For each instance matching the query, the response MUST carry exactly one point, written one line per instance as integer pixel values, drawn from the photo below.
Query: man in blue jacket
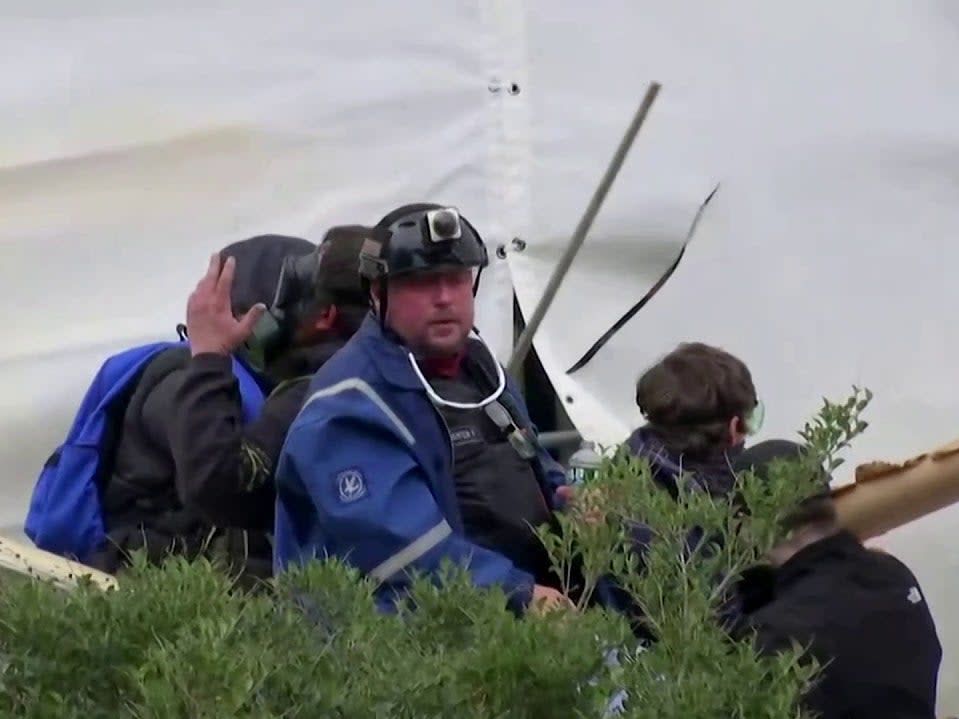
(412, 446)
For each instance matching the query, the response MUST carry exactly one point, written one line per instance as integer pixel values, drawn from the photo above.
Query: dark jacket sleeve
(224, 470)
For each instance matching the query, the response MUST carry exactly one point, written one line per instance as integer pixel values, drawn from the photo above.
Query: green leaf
(182, 640)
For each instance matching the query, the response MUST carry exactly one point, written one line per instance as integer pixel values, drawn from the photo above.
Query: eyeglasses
(754, 422)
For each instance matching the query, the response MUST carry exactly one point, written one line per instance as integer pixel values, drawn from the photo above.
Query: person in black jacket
(188, 476)
(861, 613)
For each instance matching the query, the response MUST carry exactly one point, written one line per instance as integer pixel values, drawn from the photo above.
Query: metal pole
(561, 438)
(525, 341)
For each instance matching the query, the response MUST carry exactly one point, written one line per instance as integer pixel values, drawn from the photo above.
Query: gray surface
(13, 531)
(565, 438)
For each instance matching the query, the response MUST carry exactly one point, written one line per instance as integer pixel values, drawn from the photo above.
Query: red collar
(447, 367)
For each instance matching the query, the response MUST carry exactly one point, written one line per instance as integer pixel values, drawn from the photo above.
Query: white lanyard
(437, 400)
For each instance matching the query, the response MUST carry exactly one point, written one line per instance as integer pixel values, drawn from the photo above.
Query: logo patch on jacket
(351, 485)
(465, 435)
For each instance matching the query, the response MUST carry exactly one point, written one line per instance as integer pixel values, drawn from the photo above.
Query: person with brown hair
(700, 404)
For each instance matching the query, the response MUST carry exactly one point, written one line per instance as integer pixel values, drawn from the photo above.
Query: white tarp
(138, 137)
(825, 258)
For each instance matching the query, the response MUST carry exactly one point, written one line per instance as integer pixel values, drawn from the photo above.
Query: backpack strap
(520, 438)
(504, 412)
(252, 388)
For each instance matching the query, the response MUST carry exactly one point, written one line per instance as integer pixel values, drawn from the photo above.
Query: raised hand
(210, 323)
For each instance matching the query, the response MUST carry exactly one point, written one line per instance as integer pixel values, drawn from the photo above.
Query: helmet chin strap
(381, 300)
(437, 400)
(430, 392)
(500, 374)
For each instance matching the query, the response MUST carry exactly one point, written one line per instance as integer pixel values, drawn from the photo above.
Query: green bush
(182, 641)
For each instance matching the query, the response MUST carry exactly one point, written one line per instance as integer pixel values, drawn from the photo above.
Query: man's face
(432, 311)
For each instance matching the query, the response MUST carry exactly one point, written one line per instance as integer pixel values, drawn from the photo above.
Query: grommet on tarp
(495, 86)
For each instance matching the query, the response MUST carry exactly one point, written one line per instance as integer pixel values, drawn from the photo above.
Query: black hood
(759, 458)
(259, 261)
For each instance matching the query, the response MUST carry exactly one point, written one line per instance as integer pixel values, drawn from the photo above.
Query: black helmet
(259, 264)
(421, 238)
(326, 275)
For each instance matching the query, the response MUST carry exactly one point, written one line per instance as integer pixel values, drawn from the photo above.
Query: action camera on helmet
(444, 225)
(422, 238)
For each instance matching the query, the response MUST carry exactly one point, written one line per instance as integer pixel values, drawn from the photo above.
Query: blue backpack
(65, 515)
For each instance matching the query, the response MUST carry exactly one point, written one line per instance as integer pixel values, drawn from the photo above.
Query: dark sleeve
(826, 697)
(156, 412)
(224, 470)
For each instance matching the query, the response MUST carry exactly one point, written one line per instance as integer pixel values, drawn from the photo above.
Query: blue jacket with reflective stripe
(365, 475)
